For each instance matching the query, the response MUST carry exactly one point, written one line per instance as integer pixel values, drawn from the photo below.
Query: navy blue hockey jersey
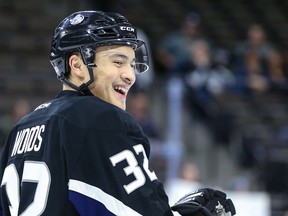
(78, 155)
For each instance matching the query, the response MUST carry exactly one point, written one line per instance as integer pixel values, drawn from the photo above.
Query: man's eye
(118, 63)
(133, 66)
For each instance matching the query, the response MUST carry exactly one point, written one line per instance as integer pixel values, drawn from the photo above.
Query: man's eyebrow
(121, 56)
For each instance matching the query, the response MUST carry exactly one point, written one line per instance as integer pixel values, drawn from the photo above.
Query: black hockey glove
(205, 202)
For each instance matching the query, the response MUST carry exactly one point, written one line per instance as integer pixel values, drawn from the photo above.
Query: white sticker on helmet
(77, 19)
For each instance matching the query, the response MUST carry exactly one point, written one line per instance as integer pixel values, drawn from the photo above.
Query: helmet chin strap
(83, 88)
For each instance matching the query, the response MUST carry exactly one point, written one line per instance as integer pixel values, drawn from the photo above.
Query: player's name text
(28, 139)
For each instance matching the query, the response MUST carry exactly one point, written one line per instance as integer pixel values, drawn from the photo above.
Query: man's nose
(128, 75)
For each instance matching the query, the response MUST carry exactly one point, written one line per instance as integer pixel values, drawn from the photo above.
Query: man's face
(114, 74)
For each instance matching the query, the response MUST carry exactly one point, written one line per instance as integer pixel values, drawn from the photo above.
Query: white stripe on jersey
(111, 203)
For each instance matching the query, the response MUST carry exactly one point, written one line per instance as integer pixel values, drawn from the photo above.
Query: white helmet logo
(77, 19)
(87, 52)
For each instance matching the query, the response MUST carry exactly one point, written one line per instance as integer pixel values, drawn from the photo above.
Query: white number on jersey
(133, 167)
(33, 172)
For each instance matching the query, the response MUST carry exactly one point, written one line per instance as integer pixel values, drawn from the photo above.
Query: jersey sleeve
(111, 175)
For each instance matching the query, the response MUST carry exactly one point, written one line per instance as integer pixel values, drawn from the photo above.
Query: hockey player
(81, 153)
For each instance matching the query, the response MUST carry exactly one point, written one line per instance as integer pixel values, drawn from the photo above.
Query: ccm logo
(127, 28)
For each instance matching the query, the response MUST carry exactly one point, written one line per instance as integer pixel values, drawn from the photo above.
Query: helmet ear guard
(84, 31)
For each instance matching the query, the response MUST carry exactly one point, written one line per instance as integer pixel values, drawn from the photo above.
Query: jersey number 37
(134, 168)
(33, 172)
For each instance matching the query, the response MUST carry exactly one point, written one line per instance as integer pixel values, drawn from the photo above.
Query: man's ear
(76, 66)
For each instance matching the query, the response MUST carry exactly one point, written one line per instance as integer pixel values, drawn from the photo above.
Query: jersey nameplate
(28, 139)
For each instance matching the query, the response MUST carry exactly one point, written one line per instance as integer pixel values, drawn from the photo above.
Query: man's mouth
(120, 90)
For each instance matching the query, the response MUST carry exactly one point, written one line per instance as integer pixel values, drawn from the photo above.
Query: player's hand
(205, 202)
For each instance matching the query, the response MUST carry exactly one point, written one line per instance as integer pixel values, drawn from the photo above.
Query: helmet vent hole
(106, 33)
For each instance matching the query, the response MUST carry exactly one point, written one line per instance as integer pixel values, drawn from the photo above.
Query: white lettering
(127, 28)
(28, 139)
(31, 144)
(19, 139)
(45, 105)
(38, 145)
(22, 146)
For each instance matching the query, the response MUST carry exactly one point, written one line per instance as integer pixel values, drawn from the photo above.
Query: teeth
(120, 89)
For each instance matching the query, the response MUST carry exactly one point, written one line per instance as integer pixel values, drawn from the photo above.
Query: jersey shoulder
(91, 111)
(86, 112)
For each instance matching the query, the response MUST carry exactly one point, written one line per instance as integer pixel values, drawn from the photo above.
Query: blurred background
(214, 102)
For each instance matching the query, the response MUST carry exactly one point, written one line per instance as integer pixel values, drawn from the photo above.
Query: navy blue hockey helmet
(84, 31)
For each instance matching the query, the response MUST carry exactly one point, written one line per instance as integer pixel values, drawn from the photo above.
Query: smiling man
(114, 73)
(81, 153)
